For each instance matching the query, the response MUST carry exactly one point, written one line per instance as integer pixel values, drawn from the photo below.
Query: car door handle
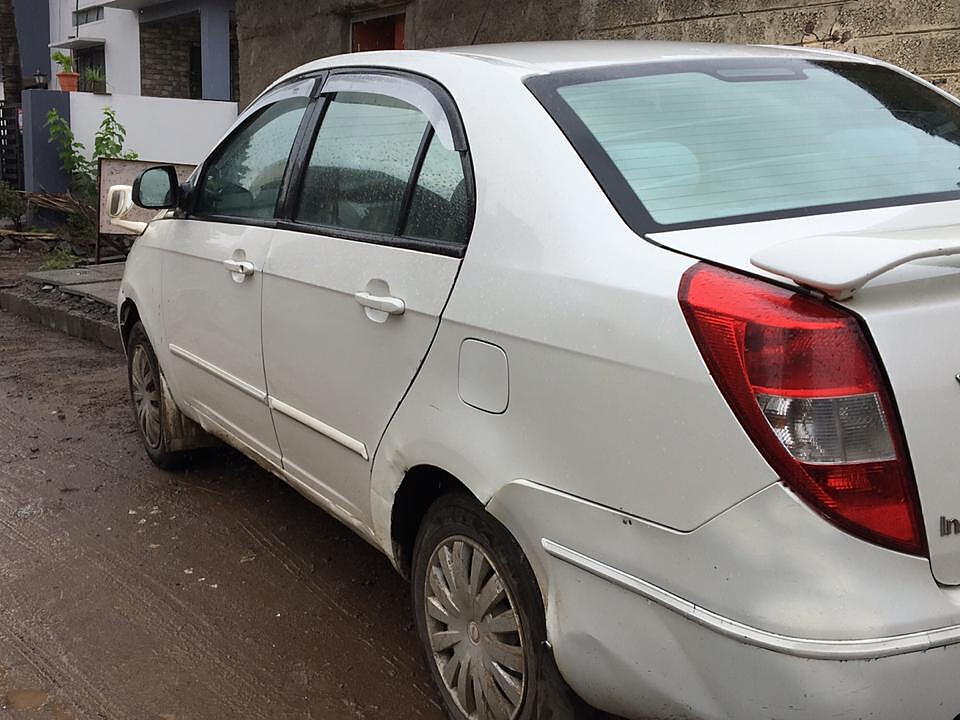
(242, 267)
(383, 303)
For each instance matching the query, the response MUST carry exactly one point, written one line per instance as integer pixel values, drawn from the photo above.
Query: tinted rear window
(687, 144)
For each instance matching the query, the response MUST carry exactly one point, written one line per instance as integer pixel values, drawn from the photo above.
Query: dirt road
(128, 592)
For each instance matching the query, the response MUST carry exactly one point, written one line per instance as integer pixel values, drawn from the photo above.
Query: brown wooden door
(382, 33)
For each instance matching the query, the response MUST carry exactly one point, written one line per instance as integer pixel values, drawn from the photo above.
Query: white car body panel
(570, 294)
(211, 319)
(680, 578)
(321, 346)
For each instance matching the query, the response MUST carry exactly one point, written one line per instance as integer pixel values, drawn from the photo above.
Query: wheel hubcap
(474, 631)
(146, 396)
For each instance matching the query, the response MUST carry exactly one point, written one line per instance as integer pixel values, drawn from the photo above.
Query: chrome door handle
(241, 267)
(387, 304)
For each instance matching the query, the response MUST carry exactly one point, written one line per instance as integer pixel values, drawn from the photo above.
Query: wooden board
(124, 172)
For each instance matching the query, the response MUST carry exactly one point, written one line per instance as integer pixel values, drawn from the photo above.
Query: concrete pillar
(215, 49)
(41, 158)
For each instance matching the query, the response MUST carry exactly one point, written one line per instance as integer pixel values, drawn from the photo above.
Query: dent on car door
(213, 273)
(358, 274)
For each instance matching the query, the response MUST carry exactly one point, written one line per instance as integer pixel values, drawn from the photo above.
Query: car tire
(150, 407)
(508, 664)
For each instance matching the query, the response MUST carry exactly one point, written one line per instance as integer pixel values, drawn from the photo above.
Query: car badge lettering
(949, 526)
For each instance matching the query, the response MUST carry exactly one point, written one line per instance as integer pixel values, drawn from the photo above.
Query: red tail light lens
(804, 382)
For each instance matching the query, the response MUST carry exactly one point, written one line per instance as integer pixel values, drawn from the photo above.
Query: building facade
(157, 48)
(168, 68)
(277, 35)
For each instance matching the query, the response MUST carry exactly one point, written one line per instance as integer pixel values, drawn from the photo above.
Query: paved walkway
(97, 282)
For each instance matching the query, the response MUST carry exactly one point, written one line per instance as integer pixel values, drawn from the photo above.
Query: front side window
(243, 180)
(361, 163)
(696, 142)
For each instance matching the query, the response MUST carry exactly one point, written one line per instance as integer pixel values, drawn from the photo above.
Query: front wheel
(480, 618)
(149, 404)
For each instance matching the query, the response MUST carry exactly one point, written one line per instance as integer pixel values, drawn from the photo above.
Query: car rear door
(212, 272)
(359, 272)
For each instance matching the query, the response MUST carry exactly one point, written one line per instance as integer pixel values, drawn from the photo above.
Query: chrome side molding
(311, 422)
(301, 417)
(232, 380)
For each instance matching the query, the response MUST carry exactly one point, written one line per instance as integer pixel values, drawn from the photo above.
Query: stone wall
(921, 35)
(165, 55)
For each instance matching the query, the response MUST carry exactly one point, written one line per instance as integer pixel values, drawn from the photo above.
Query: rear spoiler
(839, 265)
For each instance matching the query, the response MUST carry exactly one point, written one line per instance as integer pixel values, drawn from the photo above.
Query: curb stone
(55, 317)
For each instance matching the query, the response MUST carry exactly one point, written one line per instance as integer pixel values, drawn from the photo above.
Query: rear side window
(361, 163)
(380, 165)
(686, 144)
(243, 180)
(440, 207)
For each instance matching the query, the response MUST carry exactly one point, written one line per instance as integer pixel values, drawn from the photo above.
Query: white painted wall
(120, 30)
(60, 23)
(122, 51)
(158, 129)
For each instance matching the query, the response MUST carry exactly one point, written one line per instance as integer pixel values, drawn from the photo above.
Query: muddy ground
(216, 592)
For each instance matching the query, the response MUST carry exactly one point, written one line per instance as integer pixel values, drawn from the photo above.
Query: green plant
(108, 142)
(63, 60)
(94, 79)
(59, 259)
(12, 205)
(72, 155)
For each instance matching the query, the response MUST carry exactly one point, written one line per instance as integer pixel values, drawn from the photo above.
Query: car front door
(358, 273)
(212, 273)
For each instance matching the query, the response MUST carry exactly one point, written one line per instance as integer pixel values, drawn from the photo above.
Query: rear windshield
(692, 143)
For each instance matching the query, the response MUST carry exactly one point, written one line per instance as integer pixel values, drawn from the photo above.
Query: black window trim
(545, 88)
(300, 153)
(286, 220)
(292, 181)
(248, 116)
(413, 179)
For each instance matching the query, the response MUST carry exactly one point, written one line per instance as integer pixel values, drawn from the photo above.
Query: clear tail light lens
(805, 384)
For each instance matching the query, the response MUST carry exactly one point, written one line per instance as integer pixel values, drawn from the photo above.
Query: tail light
(805, 384)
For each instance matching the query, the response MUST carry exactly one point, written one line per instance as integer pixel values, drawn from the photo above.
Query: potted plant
(94, 80)
(67, 77)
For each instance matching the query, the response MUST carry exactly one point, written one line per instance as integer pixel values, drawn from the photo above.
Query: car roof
(522, 59)
(554, 56)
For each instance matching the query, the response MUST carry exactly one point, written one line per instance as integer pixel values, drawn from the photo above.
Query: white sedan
(638, 359)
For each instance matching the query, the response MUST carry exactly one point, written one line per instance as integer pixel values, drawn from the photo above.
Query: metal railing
(11, 145)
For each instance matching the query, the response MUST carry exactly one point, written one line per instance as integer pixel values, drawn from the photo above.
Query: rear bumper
(844, 649)
(765, 611)
(635, 658)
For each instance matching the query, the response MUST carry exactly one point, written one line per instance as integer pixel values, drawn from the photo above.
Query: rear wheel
(480, 618)
(149, 404)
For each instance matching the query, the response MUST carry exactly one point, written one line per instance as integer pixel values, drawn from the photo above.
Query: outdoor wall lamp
(40, 79)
